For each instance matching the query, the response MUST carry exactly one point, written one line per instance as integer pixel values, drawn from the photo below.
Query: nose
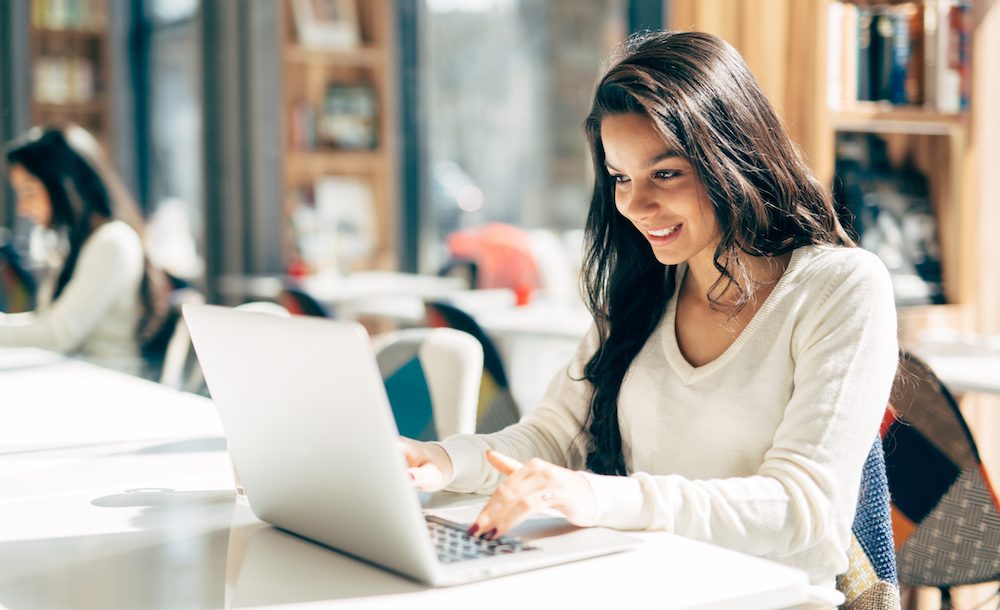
(640, 202)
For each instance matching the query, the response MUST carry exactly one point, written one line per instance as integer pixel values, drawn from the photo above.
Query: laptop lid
(310, 430)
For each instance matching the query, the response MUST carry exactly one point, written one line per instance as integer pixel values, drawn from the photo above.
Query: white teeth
(664, 232)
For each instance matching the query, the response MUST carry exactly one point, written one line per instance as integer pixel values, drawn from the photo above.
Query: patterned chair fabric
(497, 408)
(945, 514)
(432, 379)
(870, 581)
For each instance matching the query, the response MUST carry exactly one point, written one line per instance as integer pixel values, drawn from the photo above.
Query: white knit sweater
(760, 450)
(97, 312)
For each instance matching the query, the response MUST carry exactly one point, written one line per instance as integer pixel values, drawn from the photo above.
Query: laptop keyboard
(453, 544)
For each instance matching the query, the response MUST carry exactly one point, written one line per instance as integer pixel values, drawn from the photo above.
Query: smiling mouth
(664, 232)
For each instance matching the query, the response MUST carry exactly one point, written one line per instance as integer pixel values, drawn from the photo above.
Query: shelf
(361, 57)
(93, 107)
(307, 165)
(70, 32)
(886, 118)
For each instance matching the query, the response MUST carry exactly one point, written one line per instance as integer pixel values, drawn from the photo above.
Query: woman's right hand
(430, 467)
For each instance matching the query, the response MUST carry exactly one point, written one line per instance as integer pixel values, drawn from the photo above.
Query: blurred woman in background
(103, 299)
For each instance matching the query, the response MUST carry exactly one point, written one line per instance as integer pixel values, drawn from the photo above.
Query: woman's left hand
(530, 488)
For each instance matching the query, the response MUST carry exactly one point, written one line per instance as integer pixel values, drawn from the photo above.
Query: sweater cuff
(619, 502)
(468, 460)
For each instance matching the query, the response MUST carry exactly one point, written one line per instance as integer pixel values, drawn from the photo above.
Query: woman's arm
(845, 356)
(109, 264)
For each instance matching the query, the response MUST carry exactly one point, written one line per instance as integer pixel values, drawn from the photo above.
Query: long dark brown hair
(701, 97)
(82, 188)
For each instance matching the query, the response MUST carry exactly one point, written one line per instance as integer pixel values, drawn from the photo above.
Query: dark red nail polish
(472, 530)
(490, 534)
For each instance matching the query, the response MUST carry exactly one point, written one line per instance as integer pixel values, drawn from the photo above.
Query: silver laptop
(310, 430)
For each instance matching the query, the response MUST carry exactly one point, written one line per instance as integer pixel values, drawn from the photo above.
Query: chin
(665, 258)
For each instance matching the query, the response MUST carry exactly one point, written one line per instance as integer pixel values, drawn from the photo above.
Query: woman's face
(32, 198)
(658, 191)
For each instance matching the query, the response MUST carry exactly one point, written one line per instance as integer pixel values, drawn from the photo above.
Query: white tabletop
(365, 285)
(15, 358)
(149, 521)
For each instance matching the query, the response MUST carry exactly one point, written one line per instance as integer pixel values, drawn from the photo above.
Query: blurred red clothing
(502, 254)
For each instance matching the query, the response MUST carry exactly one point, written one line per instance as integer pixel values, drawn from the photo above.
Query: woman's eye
(666, 174)
(620, 179)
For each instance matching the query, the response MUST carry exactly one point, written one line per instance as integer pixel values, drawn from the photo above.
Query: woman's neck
(702, 275)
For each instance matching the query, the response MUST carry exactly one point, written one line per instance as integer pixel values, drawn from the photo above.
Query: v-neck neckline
(690, 373)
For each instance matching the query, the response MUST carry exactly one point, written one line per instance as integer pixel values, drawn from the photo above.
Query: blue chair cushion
(410, 399)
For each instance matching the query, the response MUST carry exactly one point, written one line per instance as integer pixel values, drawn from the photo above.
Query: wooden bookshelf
(362, 57)
(936, 141)
(70, 65)
(311, 153)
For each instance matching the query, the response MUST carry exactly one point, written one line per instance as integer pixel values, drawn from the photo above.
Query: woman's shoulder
(113, 243)
(115, 234)
(828, 267)
(827, 262)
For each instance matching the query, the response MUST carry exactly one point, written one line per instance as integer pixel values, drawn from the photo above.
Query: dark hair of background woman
(84, 193)
(707, 106)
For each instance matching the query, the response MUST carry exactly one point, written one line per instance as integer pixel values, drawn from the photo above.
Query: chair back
(945, 514)
(180, 368)
(432, 378)
(175, 357)
(298, 302)
(870, 582)
(496, 408)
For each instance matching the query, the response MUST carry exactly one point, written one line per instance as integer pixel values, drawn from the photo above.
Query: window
(505, 86)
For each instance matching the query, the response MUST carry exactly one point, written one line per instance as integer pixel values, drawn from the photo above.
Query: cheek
(706, 214)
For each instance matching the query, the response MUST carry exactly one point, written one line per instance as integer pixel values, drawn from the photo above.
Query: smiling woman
(742, 350)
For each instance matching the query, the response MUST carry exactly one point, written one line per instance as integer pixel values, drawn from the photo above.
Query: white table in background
(962, 367)
(137, 512)
(536, 342)
(390, 294)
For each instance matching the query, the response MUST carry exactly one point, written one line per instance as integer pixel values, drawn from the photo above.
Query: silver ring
(547, 496)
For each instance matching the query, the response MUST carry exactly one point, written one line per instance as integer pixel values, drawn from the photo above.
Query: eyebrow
(663, 156)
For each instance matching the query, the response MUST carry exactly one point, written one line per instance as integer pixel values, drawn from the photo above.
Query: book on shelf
(327, 24)
(63, 80)
(911, 53)
(302, 127)
(66, 14)
(350, 117)
(333, 223)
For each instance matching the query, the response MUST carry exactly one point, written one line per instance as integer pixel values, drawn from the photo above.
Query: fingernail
(410, 474)
(490, 534)
(472, 530)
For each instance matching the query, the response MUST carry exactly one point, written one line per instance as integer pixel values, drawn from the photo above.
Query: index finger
(504, 463)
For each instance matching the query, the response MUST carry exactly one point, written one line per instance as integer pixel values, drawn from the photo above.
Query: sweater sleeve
(845, 353)
(553, 431)
(109, 263)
